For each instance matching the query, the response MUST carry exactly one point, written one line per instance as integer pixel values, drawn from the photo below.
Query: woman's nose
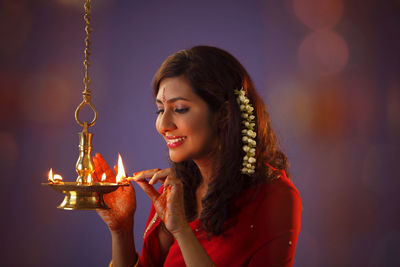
(165, 122)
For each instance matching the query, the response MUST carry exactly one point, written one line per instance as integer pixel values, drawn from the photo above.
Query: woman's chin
(176, 158)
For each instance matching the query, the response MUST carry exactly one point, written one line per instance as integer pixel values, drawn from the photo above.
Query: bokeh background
(328, 71)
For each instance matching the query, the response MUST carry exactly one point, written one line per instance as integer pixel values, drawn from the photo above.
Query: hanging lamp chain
(88, 52)
(86, 80)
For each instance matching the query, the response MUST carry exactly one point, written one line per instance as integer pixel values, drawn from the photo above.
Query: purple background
(334, 103)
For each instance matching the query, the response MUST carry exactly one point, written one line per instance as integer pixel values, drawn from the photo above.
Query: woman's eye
(181, 110)
(177, 110)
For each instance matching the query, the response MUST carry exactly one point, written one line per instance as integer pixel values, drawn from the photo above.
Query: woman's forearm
(123, 247)
(193, 252)
(166, 239)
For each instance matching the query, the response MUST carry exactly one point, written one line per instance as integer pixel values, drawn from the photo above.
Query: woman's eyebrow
(171, 100)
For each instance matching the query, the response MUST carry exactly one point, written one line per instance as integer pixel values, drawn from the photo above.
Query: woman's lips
(175, 141)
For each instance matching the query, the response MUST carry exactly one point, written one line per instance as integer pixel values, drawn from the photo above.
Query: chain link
(88, 42)
(86, 80)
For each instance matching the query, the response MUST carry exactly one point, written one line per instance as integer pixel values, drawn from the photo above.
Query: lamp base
(84, 196)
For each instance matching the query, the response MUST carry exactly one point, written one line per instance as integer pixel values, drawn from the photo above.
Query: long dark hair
(214, 74)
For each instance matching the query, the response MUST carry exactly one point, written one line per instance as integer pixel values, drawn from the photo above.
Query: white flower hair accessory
(248, 133)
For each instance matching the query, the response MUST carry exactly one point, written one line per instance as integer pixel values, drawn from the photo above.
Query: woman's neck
(206, 169)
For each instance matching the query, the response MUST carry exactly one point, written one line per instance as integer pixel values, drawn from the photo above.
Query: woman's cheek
(157, 124)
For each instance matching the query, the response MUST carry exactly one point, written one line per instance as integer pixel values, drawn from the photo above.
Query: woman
(226, 200)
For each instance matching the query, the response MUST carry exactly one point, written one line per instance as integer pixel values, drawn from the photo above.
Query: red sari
(263, 233)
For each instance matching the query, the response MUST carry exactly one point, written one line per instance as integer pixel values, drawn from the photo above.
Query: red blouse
(263, 233)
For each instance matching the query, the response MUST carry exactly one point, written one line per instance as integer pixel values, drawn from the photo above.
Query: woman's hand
(122, 202)
(169, 204)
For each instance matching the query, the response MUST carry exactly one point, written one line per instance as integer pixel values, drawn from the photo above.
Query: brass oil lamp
(84, 194)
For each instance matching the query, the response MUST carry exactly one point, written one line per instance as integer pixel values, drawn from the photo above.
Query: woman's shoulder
(272, 202)
(280, 187)
(270, 208)
(278, 204)
(273, 190)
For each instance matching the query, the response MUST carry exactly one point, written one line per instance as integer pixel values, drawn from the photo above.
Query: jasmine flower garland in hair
(248, 133)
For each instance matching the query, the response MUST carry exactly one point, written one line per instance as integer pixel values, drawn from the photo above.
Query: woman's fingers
(105, 168)
(165, 176)
(95, 178)
(148, 189)
(155, 175)
(97, 168)
(172, 180)
(160, 176)
(141, 176)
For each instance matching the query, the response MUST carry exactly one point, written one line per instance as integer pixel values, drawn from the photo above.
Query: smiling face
(184, 120)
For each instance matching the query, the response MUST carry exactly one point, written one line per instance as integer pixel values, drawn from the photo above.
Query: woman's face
(184, 120)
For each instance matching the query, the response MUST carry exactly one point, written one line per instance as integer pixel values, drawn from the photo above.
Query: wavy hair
(213, 75)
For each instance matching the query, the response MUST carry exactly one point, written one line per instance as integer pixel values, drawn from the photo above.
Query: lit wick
(121, 170)
(54, 178)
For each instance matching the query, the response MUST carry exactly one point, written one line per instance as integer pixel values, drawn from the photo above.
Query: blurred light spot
(318, 14)
(329, 112)
(323, 53)
(15, 26)
(393, 109)
(47, 99)
(290, 106)
(8, 151)
(361, 95)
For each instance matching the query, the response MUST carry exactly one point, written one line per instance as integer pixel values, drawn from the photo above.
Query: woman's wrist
(124, 229)
(121, 232)
(182, 231)
(193, 252)
(136, 262)
(123, 247)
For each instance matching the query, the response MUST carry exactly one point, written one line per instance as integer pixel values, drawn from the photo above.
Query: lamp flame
(50, 177)
(103, 177)
(89, 178)
(121, 170)
(57, 177)
(54, 178)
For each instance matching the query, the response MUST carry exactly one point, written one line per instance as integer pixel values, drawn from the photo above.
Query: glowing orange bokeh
(323, 53)
(318, 14)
